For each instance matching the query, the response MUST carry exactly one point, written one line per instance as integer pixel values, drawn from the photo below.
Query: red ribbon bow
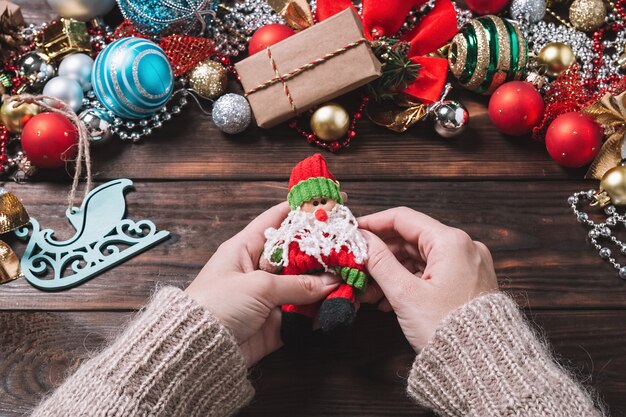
(385, 17)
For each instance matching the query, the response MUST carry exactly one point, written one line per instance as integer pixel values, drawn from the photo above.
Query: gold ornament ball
(587, 15)
(15, 116)
(330, 122)
(208, 79)
(557, 57)
(614, 183)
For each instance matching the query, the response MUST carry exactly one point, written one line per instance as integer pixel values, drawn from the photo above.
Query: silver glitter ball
(231, 113)
(605, 253)
(98, 124)
(36, 69)
(451, 118)
(594, 234)
(77, 67)
(531, 11)
(66, 90)
(609, 210)
(572, 200)
(622, 272)
(611, 221)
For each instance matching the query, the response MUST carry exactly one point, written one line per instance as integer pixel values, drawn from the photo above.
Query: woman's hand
(246, 299)
(423, 269)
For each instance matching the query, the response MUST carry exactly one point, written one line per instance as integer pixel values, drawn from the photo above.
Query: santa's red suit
(302, 263)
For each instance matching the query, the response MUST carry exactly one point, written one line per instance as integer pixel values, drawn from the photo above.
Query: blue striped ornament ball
(132, 78)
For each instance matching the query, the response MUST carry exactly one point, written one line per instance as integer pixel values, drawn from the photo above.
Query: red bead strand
(339, 144)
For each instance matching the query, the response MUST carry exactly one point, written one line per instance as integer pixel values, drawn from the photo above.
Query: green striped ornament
(486, 53)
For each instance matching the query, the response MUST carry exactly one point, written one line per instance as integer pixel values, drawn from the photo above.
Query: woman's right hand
(423, 269)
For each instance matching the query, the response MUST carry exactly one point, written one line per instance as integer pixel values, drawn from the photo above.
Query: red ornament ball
(486, 6)
(268, 35)
(573, 140)
(49, 139)
(515, 108)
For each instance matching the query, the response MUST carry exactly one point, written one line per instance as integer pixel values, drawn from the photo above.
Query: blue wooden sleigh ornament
(100, 226)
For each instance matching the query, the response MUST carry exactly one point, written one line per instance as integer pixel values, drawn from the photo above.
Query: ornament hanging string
(83, 137)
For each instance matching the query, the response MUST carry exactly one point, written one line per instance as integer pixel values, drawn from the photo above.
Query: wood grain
(362, 374)
(192, 148)
(504, 191)
(539, 249)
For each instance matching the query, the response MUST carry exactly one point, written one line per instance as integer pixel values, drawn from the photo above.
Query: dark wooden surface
(204, 187)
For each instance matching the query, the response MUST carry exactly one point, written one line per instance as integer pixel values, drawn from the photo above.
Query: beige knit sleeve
(174, 359)
(485, 361)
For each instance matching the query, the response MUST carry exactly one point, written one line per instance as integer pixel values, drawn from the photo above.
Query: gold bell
(12, 212)
(9, 264)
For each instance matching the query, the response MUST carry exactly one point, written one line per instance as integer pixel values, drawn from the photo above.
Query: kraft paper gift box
(311, 67)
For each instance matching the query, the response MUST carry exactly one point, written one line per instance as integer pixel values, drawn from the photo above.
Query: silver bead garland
(601, 234)
(541, 33)
(232, 31)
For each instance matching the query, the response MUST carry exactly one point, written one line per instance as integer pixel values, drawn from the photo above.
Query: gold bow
(296, 13)
(12, 216)
(610, 112)
(396, 116)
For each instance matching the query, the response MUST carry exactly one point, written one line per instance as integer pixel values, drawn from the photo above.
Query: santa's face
(311, 206)
(320, 207)
(336, 230)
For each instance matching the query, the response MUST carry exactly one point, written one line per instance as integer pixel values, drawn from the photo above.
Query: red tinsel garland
(184, 52)
(570, 93)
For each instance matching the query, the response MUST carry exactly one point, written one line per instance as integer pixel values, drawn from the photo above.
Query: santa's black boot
(338, 311)
(296, 330)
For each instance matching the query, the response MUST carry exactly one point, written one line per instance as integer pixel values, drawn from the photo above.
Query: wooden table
(203, 187)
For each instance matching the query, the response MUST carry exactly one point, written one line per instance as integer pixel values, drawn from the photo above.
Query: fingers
(384, 267)
(385, 306)
(414, 227)
(403, 221)
(253, 235)
(373, 294)
(299, 289)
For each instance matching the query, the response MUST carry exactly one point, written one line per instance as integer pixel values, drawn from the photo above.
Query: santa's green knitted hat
(311, 179)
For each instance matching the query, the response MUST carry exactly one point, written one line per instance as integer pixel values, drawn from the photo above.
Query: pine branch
(398, 71)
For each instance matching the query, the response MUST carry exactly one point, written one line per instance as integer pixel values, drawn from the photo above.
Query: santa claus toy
(319, 234)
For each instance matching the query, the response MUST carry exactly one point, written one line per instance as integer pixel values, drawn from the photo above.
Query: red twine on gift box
(283, 78)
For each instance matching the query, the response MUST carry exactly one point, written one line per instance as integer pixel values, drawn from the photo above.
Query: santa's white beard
(316, 238)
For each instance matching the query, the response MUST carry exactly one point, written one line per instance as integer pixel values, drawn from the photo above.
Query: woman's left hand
(246, 299)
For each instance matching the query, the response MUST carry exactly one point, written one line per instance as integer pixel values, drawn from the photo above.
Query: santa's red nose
(321, 215)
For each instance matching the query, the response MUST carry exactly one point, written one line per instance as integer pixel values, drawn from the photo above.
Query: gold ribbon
(396, 116)
(296, 13)
(12, 216)
(610, 112)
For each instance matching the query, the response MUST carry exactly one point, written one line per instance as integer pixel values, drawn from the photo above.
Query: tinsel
(568, 93)
(183, 51)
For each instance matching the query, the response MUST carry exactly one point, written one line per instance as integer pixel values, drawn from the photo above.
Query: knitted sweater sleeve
(174, 359)
(485, 361)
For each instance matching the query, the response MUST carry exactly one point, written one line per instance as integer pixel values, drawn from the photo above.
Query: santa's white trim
(317, 238)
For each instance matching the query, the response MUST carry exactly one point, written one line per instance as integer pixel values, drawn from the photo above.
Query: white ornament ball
(77, 67)
(532, 11)
(83, 10)
(66, 90)
(231, 113)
